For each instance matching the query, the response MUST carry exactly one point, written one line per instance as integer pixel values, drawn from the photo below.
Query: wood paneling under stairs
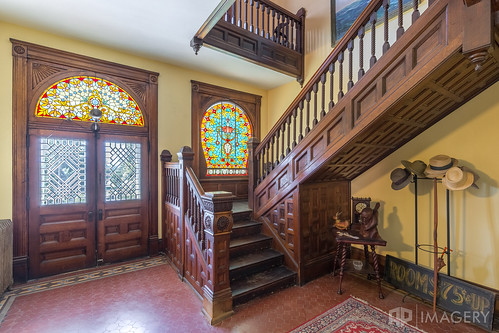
(453, 84)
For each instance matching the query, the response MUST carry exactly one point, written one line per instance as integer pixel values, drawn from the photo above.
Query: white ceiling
(157, 29)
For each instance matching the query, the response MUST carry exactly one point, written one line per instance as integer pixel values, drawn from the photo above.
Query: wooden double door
(88, 199)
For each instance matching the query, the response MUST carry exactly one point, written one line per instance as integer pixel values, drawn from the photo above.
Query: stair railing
(330, 83)
(204, 233)
(270, 21)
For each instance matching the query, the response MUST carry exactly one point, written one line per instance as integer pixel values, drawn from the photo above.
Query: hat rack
(422, 247)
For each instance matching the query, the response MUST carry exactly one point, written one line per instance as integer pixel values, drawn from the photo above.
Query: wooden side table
(344, 241)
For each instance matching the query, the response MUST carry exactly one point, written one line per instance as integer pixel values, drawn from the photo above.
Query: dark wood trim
(261, 51)
(203, 96)
(141, 84)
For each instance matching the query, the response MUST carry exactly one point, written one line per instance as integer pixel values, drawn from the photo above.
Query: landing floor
(147, 296)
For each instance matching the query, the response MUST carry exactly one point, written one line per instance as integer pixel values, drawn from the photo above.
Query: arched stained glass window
(225, 131)
(74, 97)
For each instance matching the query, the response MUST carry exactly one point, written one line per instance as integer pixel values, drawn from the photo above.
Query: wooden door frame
(203, 96)
(50, 63)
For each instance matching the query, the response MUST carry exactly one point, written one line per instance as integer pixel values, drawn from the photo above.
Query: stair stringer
(422, 78)
(430, 44)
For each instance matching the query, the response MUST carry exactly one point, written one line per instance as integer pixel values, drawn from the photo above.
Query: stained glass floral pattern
(225, 131)
(74, 97)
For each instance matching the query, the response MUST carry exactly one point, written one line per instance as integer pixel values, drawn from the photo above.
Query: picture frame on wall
(345, 12)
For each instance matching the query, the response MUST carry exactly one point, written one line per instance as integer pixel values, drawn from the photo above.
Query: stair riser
(254, 268)
(275, 286)
(251, 247)
(241, 216)
(249, 230)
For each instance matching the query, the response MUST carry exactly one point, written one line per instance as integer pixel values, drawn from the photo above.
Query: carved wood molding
(35, 68)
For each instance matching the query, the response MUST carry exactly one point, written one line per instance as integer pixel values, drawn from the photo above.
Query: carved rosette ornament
(222, 223)
(207, 223)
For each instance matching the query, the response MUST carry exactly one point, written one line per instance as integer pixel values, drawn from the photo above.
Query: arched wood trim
(34, 66)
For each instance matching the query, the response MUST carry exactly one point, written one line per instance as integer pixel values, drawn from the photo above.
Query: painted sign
(459, 297)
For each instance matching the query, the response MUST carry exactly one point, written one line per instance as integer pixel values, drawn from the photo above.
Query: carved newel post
(185, 159)
(252, 170)
(217, 295)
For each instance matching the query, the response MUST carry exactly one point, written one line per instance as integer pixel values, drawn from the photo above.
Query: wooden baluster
(288, 149)
(272, 28)
(373, 39)
(263, 20)
(268, 23)
(252, 5)
(350, 64)
(286, 42)
(277, 29)
(361, 52)
(400, 30)
(292, 38)
(300, 136)
(272, 160)
(282, 142)
(340, 61)
(386, 6)
(415, 8)
(323, 95)
(257, 8)
(260, 166)
(315, 89)
(239, 14)
(264, 162)
(233, 14)
(245, 14)
(307, 98)
(331, 85)
(278, 135)
(295, 114)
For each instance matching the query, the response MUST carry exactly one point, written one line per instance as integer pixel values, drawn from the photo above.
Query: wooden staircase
(255, 268)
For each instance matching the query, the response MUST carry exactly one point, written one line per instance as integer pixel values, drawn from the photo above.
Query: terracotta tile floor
(155, 300)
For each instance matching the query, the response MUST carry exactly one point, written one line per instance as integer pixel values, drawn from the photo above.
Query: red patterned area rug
(355, 316)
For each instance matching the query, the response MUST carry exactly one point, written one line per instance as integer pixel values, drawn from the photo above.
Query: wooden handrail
(333, 79)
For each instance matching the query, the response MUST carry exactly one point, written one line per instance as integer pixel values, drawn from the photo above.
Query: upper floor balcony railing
(259, 31)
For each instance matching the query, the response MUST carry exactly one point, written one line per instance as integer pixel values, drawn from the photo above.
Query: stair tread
(248, 239)
(258, 280)
(240, 206)
(253, 258)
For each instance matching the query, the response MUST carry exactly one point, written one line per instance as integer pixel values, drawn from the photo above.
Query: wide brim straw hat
(439, 164)
(458, 179)
(400, 178)
(417, 167)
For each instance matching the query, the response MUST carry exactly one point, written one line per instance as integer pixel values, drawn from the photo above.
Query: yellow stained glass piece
(74, 97)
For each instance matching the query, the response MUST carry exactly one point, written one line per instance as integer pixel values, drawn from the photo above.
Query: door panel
(123, 195)
(61, 202)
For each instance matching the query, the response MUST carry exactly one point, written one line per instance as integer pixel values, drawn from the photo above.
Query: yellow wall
(468, 134)
(174, 101)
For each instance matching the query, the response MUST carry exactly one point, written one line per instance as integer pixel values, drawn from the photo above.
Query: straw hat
(400, 178)
(439, 165)
(417, 167)
(457, 179)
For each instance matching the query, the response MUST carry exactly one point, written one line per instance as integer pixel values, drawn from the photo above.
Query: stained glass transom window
(225, 131)
(74, 97)
(122, 171)
(63, 171)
